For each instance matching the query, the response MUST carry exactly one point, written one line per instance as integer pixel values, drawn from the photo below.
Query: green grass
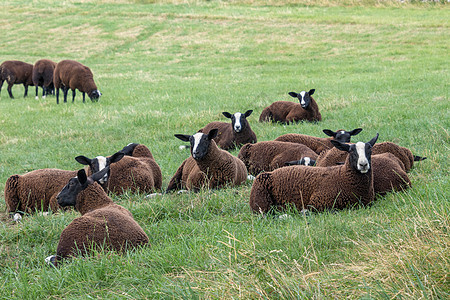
(171, 67)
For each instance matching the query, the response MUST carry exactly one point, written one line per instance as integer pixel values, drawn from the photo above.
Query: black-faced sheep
(43, 76)
(318, 144)
(236, 134)
(318, 188)
(305, 161)
(287, 112)
(70, 74)
(36, 190)
(270, 155)
(138, 172)
(16, 72)
(102, 223)
(208, 166)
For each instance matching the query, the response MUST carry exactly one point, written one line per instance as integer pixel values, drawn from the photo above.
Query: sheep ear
(183, 137)
(81, 175)
(373, 141)
(227, 114)
(311, 91)
(116, 157)
(355, 131)
(329, 132)
(292, 163)
(248, 113)
(99, 175)
(83, 160)
(293, 94)
(341, 146)
(213, 133)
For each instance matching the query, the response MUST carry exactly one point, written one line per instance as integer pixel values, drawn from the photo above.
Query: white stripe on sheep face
(363, 165)
(237, 122)
(302, 100)
(101, 160)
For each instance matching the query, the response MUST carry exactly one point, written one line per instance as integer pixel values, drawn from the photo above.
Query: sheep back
(43, 71)
(270, 155)
(74, 75)
(404, 154)
(16, 72)
(314, 143)
(388, 173)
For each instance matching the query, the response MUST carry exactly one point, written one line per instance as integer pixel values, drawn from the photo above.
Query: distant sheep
(102, 223)
(236, 134)
(318, 144)
(287, 112)
(16, 72)
(138, 172)
(208, 166)
(36, 190)
(43, 76)
(70, 74)
(270, 155)
(318, 188)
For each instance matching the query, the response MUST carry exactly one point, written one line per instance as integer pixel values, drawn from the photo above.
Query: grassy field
(171, 67)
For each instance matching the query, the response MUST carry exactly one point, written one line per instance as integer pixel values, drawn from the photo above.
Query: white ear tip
(50, 259)
(17, 217)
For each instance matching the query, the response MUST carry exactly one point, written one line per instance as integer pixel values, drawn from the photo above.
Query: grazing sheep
(334, 156)
(289, 112)
(70, 74)
(318, 188)
(318, 144)
(43, 76)
(36, 190)
(139, 172)
(208, 166)
(236, 134)
(102, 223)
(16, 72)
(270, 155)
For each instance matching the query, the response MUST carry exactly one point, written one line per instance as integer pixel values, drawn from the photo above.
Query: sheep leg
(65, 91)
(57, 96)
(9, 90)
(37, 90)
(26, 90)
(83, 97)
(73, 95)
(1, 84)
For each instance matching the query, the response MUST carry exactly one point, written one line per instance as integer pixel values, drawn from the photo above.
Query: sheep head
(199, 142)
(342, 136)
(99, 163)
(238, 121)
(304, 97)
(359, 154)
(94, 95)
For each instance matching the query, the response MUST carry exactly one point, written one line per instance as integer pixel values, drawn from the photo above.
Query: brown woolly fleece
(16, 72)
(43, 73)
(316, 144)
(102, 224)
(290, 112)
(388, 174)
(36, 190)
(74, 75)
(227, 138)
(142, 151)
(311, 188)
(270, 155)
(215, 170)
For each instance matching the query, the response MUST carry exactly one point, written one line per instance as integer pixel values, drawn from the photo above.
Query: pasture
(171, 67)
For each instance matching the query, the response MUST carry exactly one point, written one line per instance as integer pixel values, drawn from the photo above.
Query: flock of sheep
(311, 173)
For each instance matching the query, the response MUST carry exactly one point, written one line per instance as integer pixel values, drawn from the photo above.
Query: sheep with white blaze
(102, 224)
(287, 112)
(318, 188)
(236, 134)
(208, 166)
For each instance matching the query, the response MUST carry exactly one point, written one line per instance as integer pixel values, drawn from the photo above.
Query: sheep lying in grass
(236, 134)
(70, 74)
(36, 190)
(16, 72)
(208, 166)
(138, 172)
(43, 76)
(318, 188)
(287, 112)
(102, 223)
(318, 144)
(304, 161)
(270, 155)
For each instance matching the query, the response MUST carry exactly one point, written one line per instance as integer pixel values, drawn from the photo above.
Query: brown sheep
(270, 155)
(102, 223)
(43, 76)
(208, 166)
(318, 144)
(234, 134)
(16, 72)
(287, 112)
(318, 188)
(70, 74)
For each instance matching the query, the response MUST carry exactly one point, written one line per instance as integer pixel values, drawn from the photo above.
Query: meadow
(169, 67)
